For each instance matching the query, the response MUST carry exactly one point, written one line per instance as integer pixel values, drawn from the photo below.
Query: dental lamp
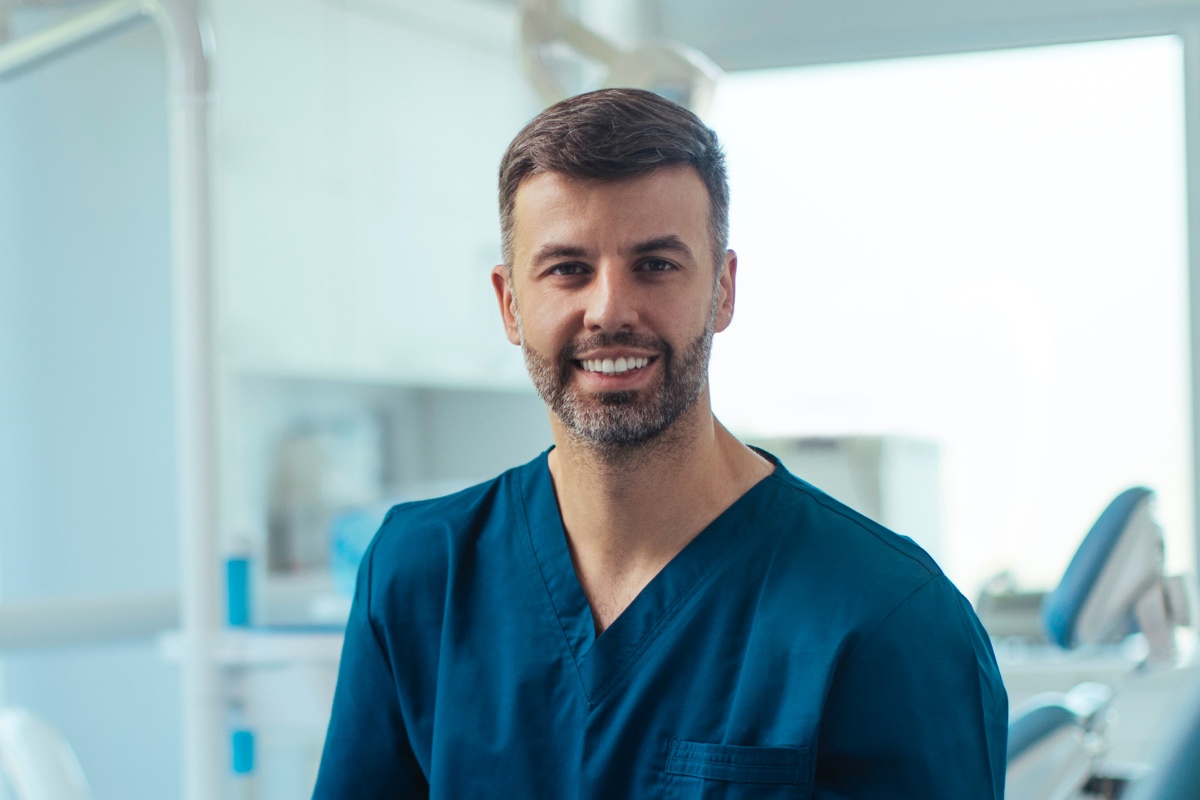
(553, 43)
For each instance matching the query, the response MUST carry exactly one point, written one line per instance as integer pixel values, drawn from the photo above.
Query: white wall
(355, 150)
(86, 455)
(756, 34)
(988, 250)
(356, 147)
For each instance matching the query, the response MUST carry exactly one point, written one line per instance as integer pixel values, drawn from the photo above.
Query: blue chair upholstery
(1049, 757)
(1048, 717)
(1064, 606)
(1108, 591)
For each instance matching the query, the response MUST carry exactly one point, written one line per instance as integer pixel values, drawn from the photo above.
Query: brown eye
(657, 265)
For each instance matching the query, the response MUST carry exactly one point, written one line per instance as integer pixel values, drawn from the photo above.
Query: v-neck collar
(603, 660)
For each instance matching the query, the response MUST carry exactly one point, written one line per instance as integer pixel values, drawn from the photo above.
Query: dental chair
(1113, 587)
(1052, 741)
(1177, 774)
(37, 761)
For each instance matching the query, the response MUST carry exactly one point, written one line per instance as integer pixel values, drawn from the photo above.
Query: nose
(611, 303)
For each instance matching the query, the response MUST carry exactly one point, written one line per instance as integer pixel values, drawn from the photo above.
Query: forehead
(553, 207)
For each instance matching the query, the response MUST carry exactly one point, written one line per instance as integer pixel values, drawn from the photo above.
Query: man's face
(613, 300)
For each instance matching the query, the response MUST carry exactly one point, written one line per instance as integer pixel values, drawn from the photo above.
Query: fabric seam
(819, 500)
(685, 598)
(370, 575)
(867, 639)
(979, 684)
(519, 491)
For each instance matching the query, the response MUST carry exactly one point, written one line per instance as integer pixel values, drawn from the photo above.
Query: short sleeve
(367, 753)
(918, 710)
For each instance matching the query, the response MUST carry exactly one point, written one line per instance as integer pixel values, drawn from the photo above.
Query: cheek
(689, 314)
(548, 320)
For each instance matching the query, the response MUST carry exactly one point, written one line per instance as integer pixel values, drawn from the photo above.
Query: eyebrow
(553, 252)
(669, 243)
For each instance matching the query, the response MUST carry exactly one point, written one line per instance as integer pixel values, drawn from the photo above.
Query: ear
(507, 301)
(726, 285)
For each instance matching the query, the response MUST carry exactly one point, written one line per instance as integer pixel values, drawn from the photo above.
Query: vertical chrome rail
(1191, 109)
(186, 43)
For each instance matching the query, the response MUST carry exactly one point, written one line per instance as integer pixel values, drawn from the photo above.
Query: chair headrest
(1120, 559)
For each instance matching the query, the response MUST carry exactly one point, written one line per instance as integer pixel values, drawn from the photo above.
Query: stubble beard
(617, 423)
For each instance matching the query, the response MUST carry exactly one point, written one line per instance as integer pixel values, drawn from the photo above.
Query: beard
(625, 419)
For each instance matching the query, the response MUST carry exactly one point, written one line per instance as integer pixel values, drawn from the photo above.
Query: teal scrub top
(793, 649)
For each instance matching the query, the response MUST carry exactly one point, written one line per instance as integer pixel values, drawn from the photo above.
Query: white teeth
(614, 367)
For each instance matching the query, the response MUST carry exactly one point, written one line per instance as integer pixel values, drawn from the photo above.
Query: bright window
(985, 250)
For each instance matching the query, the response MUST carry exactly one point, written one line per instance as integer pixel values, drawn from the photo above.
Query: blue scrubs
(793, 649)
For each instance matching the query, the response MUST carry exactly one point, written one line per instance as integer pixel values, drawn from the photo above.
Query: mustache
(571, 350)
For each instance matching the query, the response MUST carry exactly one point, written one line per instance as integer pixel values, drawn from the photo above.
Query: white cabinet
(279, 673)
(354, 153)
(356, 148)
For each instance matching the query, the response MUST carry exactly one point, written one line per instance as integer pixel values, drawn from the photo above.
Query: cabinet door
(356, 157)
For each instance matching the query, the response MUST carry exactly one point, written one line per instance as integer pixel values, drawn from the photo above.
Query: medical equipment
(1113, 587)
(1050, 742)
(187, 40)
(1177, 775)
(673, 70)
(37, 761)
(322, 467)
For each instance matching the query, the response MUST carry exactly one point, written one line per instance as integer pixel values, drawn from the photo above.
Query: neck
(628, 511)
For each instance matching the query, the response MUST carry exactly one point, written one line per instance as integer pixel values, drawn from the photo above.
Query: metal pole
(60, 621)
(185, 40)
(1191, 104)
(79, 31)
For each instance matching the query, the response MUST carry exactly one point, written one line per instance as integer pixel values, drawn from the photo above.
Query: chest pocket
(698, 771)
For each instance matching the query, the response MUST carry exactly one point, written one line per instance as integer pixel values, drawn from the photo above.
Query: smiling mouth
(613, 366)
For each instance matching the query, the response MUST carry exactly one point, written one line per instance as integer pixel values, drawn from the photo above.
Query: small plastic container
(349, 535)
(237, 591)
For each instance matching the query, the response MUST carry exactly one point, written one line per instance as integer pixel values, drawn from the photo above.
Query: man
(651, 608)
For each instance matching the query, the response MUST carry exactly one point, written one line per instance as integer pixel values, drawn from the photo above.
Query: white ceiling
(745, 34)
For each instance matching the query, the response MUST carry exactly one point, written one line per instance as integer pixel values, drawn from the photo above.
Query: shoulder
(839, 539)
(419, 542)
(416, 523)
(879, 593)
(862, 575)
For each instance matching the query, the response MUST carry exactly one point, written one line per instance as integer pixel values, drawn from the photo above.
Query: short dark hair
(612, 134)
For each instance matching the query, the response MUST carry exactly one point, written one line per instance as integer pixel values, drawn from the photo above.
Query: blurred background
(963, 308)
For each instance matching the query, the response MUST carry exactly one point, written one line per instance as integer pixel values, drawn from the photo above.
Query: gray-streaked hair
(612, 134)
